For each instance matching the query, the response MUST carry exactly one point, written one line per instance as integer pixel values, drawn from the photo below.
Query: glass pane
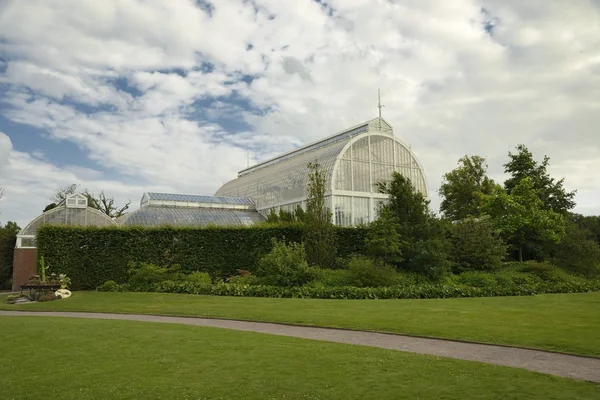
(382, 150)
(343, 210)
(343, 179)
(360, 210)
(360, 150)
(362, 179)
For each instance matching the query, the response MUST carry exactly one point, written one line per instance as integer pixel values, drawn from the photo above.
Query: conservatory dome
(353, 161)
(74, 211)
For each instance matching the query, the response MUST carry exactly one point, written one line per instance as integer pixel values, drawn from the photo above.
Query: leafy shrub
(476, 245)
(430, 258)
(143, 274)
(545, 271)
(364, 272)
(199, 278)
(478, 279)
(285, 265)
(577, 253)
(333, 277)
(108, 286)
(319, 291)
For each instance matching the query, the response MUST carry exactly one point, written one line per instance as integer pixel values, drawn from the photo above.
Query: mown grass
(564, 322)
(45, 357)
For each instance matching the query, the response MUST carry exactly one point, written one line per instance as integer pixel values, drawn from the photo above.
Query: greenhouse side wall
(24, 265)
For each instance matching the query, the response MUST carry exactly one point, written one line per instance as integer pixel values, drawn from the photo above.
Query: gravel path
(576, 367)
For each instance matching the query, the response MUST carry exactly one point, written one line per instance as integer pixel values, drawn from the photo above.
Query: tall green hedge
(7, 248)
(91, 256)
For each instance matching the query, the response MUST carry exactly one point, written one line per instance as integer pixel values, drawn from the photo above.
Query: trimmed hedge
(92, 255)
(423, 291)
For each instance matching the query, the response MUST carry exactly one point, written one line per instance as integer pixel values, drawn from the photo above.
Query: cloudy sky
(128, 96)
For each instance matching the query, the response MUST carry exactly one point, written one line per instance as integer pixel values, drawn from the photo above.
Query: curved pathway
(569, 366)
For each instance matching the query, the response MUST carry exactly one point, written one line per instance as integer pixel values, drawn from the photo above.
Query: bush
(142, 275)
(199, 278)
(364, 272)
(430, 258)
(93, 255)
(577, 253)
(333, 277)
(476, 245)
(478, 279)
(546, 271)
(285, 265)
(319, 291)
(108, 286)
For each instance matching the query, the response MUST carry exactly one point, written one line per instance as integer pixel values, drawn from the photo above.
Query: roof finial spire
(380, 106)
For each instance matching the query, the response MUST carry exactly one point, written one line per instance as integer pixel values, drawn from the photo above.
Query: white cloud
(450, 88)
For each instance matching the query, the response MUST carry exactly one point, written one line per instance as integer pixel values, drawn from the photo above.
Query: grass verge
(94, 359)
(563, 322)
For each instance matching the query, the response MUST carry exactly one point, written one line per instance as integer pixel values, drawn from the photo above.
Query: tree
(106, 205)
(383, 241)
(318, 231)
(462, 188)
(521, 216)
(101, 203)
(552, 193)
(8, 238)
(590, 224)
(423, 245)
(476, 245)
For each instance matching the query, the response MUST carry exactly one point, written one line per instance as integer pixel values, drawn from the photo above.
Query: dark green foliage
(577, 253)
(462, 188)
(423, 247)
(143, 274)
(364, 272)
(430, 258)
(590, 224)
(420, 291)
(333, 277)
(8, 238)
(318, 233)
(383, 240)
(285, 265)
(199, 278)
(521, 218)
(476, 245)
(552, 193)
(91, 256)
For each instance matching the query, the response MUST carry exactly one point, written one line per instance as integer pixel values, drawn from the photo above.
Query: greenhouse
(158, 209)
(354, 161)
(74, 211)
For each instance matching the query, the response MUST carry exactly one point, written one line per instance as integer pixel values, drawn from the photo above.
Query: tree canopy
(550, 191)
(521, 216)
(462, 188)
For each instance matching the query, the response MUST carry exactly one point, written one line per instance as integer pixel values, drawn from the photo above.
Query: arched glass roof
(64, 215)
(353, 161)
(190, 217)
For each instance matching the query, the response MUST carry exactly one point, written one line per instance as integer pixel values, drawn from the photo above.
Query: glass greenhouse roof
(198, 199)
(190, 217)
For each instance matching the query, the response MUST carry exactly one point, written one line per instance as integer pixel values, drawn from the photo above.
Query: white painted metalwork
(354, 161)
(72, 212)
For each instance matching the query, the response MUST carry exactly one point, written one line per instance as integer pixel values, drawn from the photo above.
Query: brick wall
(24, 265)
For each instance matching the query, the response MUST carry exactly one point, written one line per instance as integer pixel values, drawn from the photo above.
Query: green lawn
(565, 322)
(94, 359)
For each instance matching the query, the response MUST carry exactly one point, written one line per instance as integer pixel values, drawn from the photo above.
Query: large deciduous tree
(318, 230)
(521, 216)
(8, 237)
(463, 187)
(550, 191)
